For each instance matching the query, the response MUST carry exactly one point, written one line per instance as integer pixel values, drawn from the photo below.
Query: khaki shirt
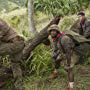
(82, 29)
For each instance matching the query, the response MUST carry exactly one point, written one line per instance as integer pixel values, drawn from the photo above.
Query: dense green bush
(63, 7)
(41, 62)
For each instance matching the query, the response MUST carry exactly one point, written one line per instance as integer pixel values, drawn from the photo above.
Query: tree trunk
(38, 38)
(32, 28)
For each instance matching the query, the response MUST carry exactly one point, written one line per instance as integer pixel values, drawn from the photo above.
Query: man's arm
(87, 31)
(80, 29)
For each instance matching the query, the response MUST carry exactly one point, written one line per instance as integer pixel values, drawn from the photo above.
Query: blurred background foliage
(15, 13)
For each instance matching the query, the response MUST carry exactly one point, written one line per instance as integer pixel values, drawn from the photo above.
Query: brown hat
(53, 27)
(81, 13)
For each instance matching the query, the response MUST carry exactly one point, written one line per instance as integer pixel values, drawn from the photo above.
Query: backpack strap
(62, 47)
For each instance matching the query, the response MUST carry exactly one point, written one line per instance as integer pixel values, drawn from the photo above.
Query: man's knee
(68, 68)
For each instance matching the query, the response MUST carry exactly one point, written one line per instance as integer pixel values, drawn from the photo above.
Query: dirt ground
(82, 81)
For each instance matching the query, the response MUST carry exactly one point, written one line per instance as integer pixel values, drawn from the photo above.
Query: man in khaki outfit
(12, 44)
(82, 25)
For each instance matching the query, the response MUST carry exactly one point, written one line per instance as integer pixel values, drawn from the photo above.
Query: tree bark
(31, 23)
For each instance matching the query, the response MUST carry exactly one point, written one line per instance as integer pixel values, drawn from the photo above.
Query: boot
(54, 74)
(70, 88)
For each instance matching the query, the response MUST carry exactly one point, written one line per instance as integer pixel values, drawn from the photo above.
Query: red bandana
(59, 35)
